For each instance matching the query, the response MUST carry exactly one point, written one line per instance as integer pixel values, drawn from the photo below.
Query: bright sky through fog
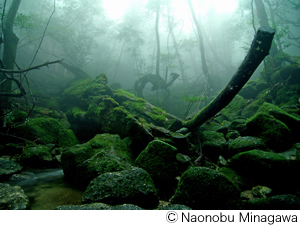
(115, 8)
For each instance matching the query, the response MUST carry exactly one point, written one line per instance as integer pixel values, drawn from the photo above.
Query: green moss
(44, 129)
(67, 138)
(234, 108)
(203, 188)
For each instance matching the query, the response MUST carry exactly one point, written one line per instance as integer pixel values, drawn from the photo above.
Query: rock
(159, 160)
(203, 188)
(174, 207)
(133, 186)
(234, 109)
(8, 168)
(253, 88)
(98, 206)
(278, 202)
(23, 176)
(242, 144)
(213, 144)
(104, 153)
(236, 178)
(40, 130)
(274, 132)
(12, 198)
(232, 135)
(261, 191)
(67, 138)
(292, 122)
(38, 157)
(268, 169)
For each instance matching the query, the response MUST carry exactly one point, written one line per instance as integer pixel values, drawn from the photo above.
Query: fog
(118, 38)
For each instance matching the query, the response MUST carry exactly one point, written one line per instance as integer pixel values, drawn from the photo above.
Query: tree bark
(9, 52)
(201, 45)
(258, 51)
(263, 21)
(181, 66)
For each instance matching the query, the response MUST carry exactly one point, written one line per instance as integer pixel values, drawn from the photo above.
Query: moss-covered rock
(99, 206)
(252, 108)
(234, 109)
(292, 122)
(253, 88)
(213, 144)
(104, 153)
(12, 198)
(133, 186)
(159, 160)
(242, 144)
(41, 130)
(236, 178)
(38, 157)
(8, 168)
(268, 169)
(274, 132)
(203, 188)
(278, 202)
(67, 138)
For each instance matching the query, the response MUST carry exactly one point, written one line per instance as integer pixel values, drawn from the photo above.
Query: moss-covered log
(258, 51)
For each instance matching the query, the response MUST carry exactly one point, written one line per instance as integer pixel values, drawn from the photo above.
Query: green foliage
(194, 98)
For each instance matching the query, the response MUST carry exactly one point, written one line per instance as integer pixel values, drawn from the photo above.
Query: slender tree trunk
(258, 51)
(9, 52)
(171, 26)
(201, 45)
(274, 23)
(118, 63)
(157, 38)
(263, 21)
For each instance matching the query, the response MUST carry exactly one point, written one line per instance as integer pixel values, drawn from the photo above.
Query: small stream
(46, 189)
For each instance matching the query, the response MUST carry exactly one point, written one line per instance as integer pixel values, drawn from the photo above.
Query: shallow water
(47, 189)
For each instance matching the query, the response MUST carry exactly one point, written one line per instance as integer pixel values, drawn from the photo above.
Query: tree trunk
(171, 26)
(258, 51)
(201, 45)
(263, 21)
(9, 52)
(157, 38)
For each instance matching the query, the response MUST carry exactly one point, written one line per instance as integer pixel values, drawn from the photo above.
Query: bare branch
(31, 68)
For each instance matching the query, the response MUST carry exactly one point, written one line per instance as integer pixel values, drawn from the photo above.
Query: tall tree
(263, 21)
(157, 37)
(201, 44)
(171, 26)
(9, 52)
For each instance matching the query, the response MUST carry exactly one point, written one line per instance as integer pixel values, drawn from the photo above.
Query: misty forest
(149, 104)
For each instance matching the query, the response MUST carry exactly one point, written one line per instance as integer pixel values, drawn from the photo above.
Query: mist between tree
(146, 37)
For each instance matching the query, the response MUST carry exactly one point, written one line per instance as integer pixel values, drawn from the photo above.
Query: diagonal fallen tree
(259, 49)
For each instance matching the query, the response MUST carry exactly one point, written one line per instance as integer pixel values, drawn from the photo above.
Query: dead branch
(31, 68)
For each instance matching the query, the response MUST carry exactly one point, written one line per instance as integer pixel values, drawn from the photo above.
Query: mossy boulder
(236, 178)
(253, 88)
(99, 206)
(12, 198)
(204, 188)
(159, 160)
(252, 108)
(38, 157)
(81, 92)
(267, 169)
(234, 109)
(213, 144)
(277, 202)
(8, 168)
(242, 144)
(104, 153)
(41, 130)
(275, 133)
(133, 186)
(67, 138)
(292, 122)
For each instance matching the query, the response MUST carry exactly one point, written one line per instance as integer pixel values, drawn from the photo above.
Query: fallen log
(259, 49)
